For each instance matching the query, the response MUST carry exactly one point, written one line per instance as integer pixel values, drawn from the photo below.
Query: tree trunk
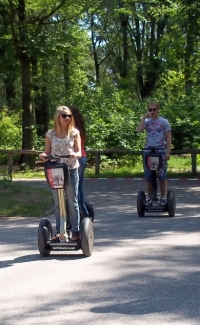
(96, 64)
(66, 73)
(40, 99)
(28, 123)
(148, 73)
(124, 19)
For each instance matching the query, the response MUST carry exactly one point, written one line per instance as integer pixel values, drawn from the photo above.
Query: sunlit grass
(21, 200)
(178, 166)
(29, 174)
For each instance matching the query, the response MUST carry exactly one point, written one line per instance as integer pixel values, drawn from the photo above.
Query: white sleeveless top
(64, 147)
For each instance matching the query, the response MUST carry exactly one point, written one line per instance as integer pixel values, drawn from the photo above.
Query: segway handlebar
(55, 157)
(153, 149)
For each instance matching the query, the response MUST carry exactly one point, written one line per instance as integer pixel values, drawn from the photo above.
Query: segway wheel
(87, 236)
(44, 235)
(141, 199)
(171, 203)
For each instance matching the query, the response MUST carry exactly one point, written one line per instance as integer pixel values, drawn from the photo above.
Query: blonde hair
(70, 126)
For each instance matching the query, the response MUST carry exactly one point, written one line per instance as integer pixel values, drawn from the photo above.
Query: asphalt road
(142, 271)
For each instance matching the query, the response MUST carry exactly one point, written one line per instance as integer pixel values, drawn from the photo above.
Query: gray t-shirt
(155, 132)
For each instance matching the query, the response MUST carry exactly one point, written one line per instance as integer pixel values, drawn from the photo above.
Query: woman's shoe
(75, 235)
(55, 237)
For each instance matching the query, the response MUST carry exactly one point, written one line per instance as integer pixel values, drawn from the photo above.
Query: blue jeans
(162, 172)
(71, 194)
(83, 163)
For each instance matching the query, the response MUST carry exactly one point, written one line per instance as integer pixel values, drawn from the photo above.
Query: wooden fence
(97, 155)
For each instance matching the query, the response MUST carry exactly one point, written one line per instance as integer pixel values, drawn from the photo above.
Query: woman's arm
(77, 147)
(47, 150)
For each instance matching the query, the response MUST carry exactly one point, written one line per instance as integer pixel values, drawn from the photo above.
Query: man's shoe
(162, 201)
(148, 201)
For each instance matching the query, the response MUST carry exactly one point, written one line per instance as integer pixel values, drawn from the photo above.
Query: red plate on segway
(55, 177)
(153, 162)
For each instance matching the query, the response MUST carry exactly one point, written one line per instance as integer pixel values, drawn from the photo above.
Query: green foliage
(10, 132)
(39, 143)
(109, 58)
(111, 120)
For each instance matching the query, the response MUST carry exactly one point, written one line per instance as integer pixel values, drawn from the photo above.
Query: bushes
(10, 133)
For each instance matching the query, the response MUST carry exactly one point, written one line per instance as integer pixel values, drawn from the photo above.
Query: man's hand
(147, 115)
(167, 155)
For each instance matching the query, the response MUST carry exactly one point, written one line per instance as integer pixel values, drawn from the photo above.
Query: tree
(27, 20)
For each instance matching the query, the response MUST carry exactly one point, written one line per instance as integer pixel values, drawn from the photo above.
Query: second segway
(153, 161)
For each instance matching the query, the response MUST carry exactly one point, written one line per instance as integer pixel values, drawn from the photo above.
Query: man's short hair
(154, 103)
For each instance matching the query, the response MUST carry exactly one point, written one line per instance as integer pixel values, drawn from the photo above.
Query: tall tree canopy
(108, 57)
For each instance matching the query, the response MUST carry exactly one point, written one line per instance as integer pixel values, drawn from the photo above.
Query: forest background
(109, 58)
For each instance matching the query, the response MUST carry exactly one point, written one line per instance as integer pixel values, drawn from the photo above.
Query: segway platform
(63, 243)
(155, 207)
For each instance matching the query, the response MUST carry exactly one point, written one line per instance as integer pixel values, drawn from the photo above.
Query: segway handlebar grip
(56, 157)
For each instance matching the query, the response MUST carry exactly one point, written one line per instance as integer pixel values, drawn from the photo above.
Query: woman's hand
(73, 154)
(43, 156)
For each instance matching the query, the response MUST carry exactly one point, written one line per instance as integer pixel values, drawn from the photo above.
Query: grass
(17, 200)
(178, 167)
(25, 201)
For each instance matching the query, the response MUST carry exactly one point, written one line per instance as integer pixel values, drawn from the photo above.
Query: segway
(57, 176)
(153, 161)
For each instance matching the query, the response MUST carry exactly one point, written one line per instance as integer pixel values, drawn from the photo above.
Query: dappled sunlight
(124, 287)
(142, 269)
(190, 206)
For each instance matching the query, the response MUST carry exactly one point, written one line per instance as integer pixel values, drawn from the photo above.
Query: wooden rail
(97, 154)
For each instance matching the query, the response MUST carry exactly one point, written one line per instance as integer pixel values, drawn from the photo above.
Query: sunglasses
(152, 109)
(66, 115)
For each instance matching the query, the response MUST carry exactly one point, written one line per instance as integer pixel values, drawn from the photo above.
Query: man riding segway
(158, 135)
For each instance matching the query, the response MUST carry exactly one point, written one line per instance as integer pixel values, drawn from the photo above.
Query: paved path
(144, 271)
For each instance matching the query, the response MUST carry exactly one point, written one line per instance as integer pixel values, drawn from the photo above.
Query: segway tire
(87, 236)
(141, 199)
(44, 235)
(171, 203)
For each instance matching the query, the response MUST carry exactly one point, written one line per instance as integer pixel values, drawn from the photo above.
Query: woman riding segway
(63, 144)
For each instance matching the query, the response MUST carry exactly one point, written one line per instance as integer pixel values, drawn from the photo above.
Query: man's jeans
(71, 194)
